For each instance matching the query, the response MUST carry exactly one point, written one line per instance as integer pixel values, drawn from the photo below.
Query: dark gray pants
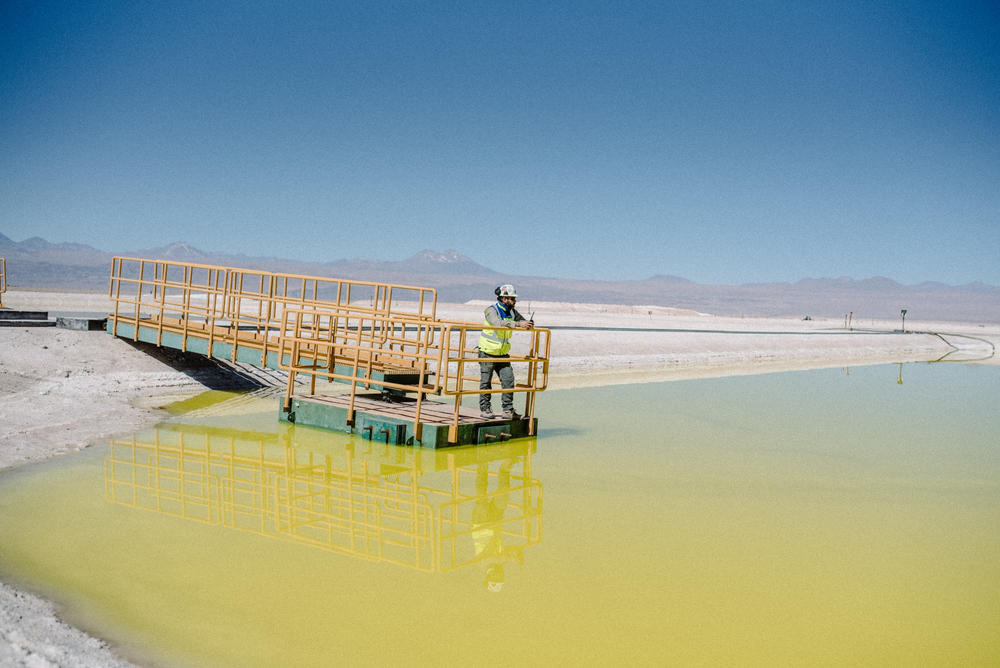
(506, 374)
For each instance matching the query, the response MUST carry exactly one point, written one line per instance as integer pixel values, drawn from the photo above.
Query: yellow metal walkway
(383, 340)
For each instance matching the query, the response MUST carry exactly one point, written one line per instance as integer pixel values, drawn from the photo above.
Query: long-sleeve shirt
(493, 317)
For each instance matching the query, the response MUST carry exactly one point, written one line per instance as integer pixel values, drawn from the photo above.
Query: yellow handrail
(242, 307)
(459, 353)
(346, 346)
(360, 332)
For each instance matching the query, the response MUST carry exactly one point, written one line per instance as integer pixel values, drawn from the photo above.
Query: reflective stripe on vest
(491, 341)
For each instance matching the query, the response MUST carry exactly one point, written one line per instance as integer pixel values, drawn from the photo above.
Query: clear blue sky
(725, 142)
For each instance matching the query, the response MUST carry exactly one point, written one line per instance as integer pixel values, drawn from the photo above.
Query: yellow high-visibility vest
(492, 341)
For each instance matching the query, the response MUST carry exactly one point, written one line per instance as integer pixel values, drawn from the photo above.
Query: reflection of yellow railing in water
(241, 307)
(3, 278)
(346, 346)
(422, 512)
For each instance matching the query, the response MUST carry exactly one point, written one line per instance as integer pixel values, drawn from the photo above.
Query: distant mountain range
(38, 264)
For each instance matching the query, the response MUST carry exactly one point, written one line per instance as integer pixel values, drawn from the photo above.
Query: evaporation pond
(818, 517)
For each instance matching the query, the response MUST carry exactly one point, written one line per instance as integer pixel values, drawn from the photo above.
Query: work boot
(488, 415)
(511, 414)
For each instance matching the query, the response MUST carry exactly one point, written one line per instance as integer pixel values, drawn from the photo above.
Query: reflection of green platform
(385, 459)
(247, 352)
(392, 422)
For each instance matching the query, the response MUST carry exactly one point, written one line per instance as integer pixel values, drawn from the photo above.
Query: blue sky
(725, 142)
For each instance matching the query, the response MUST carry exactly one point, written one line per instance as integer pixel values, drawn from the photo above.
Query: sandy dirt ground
(62, 390)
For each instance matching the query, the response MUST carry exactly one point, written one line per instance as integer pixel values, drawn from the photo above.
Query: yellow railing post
(138, 301)
(114, 291)
(291, 359)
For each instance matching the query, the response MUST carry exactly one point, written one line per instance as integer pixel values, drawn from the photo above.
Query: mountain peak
(845, 282)
(179, 250)
(879, 283)
(448, 262)
(450, 256)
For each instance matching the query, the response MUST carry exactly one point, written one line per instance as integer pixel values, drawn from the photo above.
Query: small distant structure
(3, 279)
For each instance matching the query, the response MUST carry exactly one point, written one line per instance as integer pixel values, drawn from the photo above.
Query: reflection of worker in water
(487, 524)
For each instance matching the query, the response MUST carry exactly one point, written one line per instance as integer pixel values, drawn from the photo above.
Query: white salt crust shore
(62, 390)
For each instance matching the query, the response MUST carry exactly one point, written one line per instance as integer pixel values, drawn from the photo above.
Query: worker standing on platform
(494, 342)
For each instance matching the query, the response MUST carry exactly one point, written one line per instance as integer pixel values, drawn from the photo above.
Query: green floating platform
(391, 421)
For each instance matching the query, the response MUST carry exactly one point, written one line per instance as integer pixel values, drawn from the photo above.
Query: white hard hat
(505, 291)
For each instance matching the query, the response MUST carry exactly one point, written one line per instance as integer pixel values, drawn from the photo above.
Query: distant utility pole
(902, 313)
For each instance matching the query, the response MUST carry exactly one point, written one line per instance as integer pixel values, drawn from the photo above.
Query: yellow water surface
(811, 518)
